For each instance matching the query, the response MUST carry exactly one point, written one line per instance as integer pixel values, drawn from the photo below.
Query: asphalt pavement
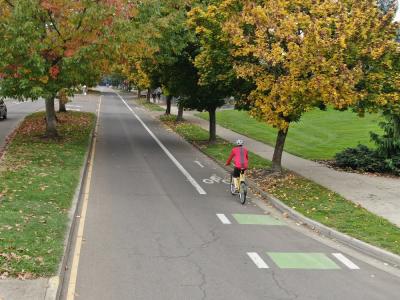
(161, 224)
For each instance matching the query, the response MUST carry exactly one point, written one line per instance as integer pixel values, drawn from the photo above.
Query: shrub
(368, 160)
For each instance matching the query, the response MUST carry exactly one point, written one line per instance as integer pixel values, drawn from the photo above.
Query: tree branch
(9, 3)
(81, 20)
(55, 26)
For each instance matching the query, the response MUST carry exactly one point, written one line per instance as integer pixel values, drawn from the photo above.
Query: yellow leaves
(377, 52)
(43, 79)
(299, 53)
(342, 42)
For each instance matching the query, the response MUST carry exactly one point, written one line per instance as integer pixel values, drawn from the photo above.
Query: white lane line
(259, 262)
(223, 219)
(79, 237)
(174, 160)
(199, 163)
(347, 262)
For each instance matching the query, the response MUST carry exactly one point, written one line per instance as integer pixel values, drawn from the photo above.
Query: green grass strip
(318, 135)
(149, 105)
(38, 178)
(303, 195)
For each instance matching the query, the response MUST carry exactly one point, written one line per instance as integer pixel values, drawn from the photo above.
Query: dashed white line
(199, 163)
(259, 262)
(223, 219)
(174, 160)
(347, 262)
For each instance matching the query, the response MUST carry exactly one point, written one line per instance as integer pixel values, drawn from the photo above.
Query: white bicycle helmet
(239, 142)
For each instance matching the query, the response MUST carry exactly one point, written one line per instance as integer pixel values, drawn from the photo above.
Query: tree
(306, 54)
(389, 143)
(213, 60)
(151, 41)
(49, 46)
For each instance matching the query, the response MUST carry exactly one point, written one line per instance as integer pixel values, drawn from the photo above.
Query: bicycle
(242, 187)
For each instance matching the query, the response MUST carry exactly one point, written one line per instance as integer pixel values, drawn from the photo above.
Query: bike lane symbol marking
(215, 179)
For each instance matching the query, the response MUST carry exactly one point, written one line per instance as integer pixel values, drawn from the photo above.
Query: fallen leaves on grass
(33, 210)
(35, 125)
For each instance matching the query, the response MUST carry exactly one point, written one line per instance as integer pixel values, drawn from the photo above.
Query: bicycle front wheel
(243, 192)
(232, 186)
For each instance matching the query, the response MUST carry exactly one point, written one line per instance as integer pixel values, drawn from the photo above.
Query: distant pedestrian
(159, 92)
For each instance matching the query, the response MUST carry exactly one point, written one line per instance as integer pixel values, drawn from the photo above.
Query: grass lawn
(319, 134)
(38, 178)
(303, 195)
(149, 105)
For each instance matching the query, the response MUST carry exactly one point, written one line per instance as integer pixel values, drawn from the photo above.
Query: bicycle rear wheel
(243, 192)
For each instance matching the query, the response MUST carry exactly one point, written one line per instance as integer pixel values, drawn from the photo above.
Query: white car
(3, 109)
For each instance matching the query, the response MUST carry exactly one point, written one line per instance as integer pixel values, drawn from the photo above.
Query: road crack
(282, 288)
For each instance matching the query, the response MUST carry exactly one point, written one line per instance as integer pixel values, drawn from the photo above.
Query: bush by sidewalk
(364, 159)
(384, 158)
(38, 178)
(303, 195)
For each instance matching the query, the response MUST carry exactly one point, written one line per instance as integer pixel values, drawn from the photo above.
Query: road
(156, 228)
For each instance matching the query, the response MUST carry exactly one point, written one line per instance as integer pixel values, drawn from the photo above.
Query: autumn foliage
(305, 54)
(50, 45)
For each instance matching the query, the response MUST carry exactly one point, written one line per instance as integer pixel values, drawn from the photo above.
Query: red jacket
(241, 155)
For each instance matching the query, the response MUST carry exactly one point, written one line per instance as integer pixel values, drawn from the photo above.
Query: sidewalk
(380, 195)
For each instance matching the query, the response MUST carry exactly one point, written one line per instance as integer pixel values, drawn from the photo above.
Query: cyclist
(241, 160)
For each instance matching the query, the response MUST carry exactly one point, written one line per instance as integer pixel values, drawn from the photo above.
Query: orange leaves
(54, 71)
(50, 5)
(69, 52)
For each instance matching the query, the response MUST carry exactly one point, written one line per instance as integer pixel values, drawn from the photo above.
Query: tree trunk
(179, 117)
(277, 158)
(62, 107)
(396, 127)
(168, 110)
(139, 92)
(213, 129)
(148, 95)
(51, 121)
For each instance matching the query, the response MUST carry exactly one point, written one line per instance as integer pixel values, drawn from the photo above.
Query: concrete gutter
(365, 248)
(354, 243)
(55, 283)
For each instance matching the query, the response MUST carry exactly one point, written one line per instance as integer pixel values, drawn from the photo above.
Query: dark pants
(236, 172)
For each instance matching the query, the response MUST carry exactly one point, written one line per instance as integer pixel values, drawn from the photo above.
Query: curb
(8, 139)
(365, 248)
(354, 243)
(55, 283)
